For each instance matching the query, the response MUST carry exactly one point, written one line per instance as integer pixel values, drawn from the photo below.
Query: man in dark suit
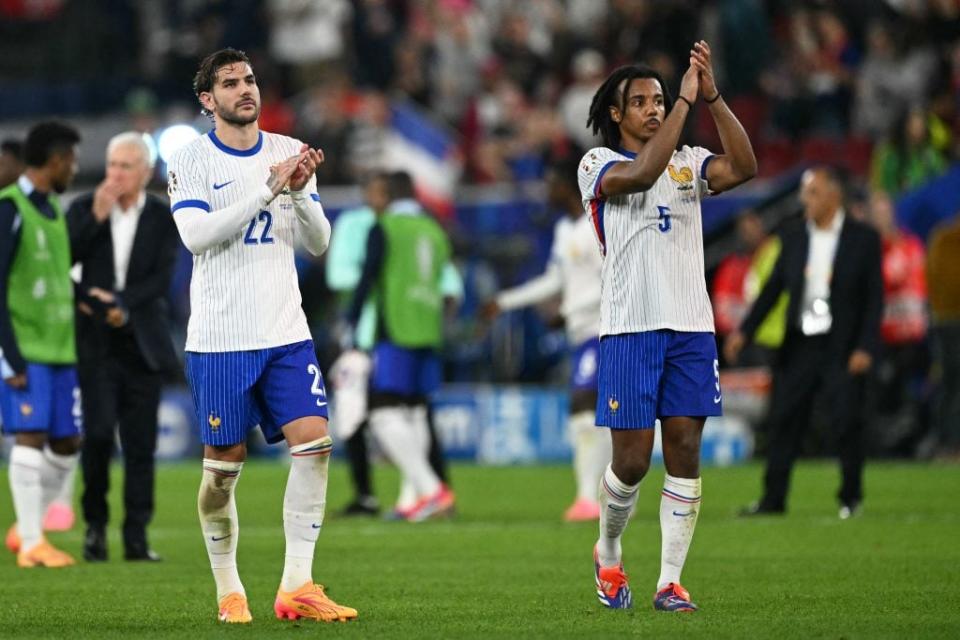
(126, 242)
(830, 266)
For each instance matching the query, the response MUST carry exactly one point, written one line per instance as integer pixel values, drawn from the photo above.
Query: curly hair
(609, 95)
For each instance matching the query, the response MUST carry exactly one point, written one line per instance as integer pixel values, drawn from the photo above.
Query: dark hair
(400, 185)
(608, 96)
(47, 139)
(207, 72)
(565, 168)
(13, 147)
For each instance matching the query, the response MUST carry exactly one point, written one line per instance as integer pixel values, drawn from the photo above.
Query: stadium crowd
(869, 85)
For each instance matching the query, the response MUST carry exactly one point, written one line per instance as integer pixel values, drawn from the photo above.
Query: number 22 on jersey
(263, 237)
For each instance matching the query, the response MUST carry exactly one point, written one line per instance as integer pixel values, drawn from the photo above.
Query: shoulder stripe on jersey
(596, 184)
(596, 215)
(703, 167)
(315, 197)
(252, 151)
(196, 204)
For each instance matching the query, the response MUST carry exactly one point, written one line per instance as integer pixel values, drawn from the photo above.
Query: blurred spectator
(307, 35)
(887, 81)
(521, 63)
(903, 362)
(11, 161)
(729, 306)
(588, 72)
(908, 159)
(943, 276)
(323, 120)
(378, 26)
(461, 45)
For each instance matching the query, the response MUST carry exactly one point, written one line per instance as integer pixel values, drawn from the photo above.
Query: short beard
(231, 117)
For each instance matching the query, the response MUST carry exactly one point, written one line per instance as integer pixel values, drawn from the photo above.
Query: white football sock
(303, 509)
(56, 473)
(65, 496)
(679, 506)
(617, 500)
(218, 520)
(26, 467)
(591, 453)
(400, 441)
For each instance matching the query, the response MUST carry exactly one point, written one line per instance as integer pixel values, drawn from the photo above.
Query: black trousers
(806, 369)
(120, 392)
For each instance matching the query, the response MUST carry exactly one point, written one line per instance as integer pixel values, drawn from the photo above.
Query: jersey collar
(629, 154)
(252, 151)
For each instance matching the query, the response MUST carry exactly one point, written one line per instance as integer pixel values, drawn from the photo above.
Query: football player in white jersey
(242, 199)
(573, 272)
(658, 357)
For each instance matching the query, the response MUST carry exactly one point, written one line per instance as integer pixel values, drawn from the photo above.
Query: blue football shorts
(585, 365)
(406, 372)
(235, 391)
(50, 403)
(657, 374)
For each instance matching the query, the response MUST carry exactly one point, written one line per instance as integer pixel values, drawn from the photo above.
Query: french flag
(428, 152)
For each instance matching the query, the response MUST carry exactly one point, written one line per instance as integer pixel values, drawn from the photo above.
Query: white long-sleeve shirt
(244, 292)
(574, 271)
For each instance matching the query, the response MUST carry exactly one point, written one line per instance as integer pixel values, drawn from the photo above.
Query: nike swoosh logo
(315, 526)
(321, 404)
(217, 187)
(216, 539)
(717, 399)
(683, 515)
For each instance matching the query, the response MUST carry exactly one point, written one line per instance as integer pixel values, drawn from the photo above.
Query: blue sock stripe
(613, 493)
(677, 496)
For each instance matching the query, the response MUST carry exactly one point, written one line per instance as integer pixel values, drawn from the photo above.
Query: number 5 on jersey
(665, 224)
(265, 238)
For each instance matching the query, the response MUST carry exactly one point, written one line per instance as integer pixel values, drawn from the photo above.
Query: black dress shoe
(760, 509)
(141, 553)
(95, 545)
(363, 506)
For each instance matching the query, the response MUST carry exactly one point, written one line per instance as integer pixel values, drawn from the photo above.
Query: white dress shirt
(123, 228)
(816, 317)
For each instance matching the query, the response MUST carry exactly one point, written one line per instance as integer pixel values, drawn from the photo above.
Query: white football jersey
(652, 243)
(244, 292)
(574, 272)
(575, 250)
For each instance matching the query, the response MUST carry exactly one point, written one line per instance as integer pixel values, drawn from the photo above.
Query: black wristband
(715, 98)
(689, 104)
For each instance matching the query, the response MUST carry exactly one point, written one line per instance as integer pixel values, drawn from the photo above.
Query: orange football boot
(234, 609)
(44, 554)
(309, 601)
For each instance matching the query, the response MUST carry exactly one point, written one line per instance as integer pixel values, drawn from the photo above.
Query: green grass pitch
(507, 567)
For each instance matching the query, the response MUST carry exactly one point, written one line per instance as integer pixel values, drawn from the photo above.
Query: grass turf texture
(508, 567)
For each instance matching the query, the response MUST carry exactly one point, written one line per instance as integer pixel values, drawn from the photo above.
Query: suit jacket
(152, 259)
(856, 288)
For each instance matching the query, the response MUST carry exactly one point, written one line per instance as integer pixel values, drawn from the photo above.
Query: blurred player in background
(242, 199)
(407, 255)
(59, 515)
(127, 244)
(39, 397)
(658, 357)
(573, 271)
(11, 161)
(349, 375)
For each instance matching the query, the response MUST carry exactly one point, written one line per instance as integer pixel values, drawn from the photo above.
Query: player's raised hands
(700, 58)
(690, 84)
(281, 173)
(307, 167)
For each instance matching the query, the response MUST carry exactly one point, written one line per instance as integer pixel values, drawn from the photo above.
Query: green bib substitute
(409, 293)
(39, 289)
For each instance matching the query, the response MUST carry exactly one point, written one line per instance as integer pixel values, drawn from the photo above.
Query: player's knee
(630, 470)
